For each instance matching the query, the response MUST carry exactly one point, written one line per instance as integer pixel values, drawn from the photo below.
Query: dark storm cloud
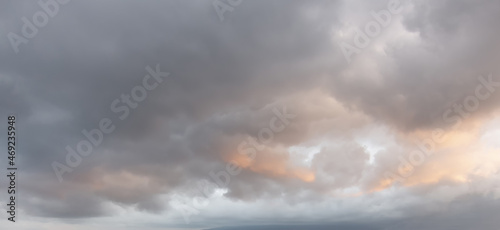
(91, 53)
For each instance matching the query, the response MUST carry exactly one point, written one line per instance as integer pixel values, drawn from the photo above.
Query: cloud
(353, 121)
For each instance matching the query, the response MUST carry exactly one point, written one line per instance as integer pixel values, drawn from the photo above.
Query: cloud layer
(403, 136)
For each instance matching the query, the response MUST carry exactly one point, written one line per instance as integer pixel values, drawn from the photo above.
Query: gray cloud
(225, 79)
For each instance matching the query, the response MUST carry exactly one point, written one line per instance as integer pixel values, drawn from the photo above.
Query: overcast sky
(286, 114)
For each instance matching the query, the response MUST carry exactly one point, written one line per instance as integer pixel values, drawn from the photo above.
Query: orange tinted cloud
(271, 164)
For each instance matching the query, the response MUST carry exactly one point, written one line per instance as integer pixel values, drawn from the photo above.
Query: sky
(252, 114)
